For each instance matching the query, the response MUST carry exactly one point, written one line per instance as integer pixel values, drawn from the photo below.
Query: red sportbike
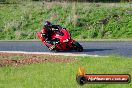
(62, 40)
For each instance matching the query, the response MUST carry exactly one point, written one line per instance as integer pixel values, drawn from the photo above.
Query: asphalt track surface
(102, 48)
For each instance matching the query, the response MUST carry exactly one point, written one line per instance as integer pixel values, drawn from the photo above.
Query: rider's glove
(43, 34)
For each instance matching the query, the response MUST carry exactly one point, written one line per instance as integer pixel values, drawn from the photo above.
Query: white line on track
(51, 53)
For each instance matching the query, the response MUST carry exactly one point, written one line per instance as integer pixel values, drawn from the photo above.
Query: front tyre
(77, 46)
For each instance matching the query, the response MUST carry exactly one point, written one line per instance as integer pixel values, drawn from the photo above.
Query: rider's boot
(52, 47)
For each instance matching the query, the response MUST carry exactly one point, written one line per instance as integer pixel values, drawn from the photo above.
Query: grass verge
(83, 20)
(62, 75)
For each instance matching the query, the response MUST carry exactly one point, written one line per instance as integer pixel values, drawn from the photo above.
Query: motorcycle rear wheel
(77, 46)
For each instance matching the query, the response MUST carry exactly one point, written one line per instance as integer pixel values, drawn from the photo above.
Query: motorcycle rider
(47, 33)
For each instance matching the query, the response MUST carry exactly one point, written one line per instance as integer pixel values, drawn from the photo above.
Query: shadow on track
(84, 51)
(92, 50)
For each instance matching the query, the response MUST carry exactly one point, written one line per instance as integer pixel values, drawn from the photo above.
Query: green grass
(84, 20)
(62, 75)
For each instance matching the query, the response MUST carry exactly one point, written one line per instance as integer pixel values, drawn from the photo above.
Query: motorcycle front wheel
(77, 46)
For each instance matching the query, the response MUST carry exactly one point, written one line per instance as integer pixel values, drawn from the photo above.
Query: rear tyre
(77, 46)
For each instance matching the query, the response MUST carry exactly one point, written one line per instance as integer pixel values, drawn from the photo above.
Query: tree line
(89, 0)
(17, 1)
